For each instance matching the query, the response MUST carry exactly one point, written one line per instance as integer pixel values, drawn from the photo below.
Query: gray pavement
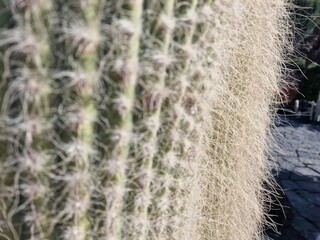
(297, 160)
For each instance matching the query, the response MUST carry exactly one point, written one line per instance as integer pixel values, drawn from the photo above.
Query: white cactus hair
(234, 174)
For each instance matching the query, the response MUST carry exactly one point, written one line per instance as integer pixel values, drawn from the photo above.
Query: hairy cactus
(130, 119)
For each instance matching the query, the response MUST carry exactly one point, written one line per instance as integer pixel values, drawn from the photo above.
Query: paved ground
(298, 163)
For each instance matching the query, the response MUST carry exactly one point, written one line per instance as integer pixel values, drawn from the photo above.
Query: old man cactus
(132, 119)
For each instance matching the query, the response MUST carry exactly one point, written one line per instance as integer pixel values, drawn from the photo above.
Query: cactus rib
(24, 105)
(121, 30)
(77, 43)
(158, 24)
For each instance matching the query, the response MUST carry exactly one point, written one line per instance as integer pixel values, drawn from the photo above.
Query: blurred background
(304, 78)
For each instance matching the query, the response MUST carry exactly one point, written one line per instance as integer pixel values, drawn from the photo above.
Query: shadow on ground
(299, 216)
(296, 122)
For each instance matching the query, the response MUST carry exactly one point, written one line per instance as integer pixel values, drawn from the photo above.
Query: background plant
(306, 60)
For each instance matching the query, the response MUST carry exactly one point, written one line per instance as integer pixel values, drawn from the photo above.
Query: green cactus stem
(121, 32)
(158, 24)
(24, 109)
(163, 209)
(76, 46)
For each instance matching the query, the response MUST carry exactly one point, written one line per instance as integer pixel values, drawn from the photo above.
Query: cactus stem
(77, 44)
(158, 26)
(119, 69)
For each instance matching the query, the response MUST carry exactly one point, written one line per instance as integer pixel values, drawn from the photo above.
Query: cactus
(76, 44)
(25, 114)
(121, 29)
(111, 119)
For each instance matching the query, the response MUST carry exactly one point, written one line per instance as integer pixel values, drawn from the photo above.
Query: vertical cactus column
(173, 132)
(121, 32)
(25, 114)
(154, 56)
(199, 75)
(77, 39)
(5, 193)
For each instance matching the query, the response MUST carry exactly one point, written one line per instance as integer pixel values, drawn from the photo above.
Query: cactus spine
(110, 117)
